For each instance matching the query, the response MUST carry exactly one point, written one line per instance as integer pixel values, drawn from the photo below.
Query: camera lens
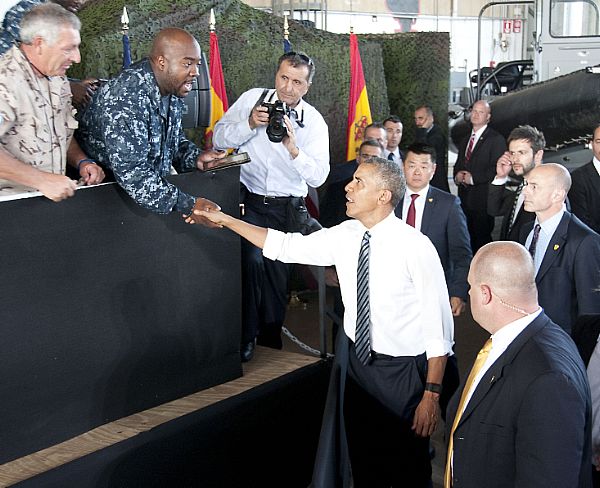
(276, 129)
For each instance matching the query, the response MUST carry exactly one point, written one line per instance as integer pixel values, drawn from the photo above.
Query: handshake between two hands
(207, 213)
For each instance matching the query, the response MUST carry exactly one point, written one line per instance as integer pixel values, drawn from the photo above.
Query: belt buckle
(265, 200)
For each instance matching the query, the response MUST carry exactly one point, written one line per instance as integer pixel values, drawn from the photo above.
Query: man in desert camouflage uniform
(10, 35)
(133, 126)
(36, 120)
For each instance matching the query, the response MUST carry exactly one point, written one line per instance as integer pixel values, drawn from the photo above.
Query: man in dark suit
(585, 191)
(438, 215)
(393, 128)
(525, 152)
(431, 134)
(566, 252)
(523, 416)
(474, 170)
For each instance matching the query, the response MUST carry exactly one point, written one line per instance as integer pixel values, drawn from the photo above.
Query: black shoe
(247, 351)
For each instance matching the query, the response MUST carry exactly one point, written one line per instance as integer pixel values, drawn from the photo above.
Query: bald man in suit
(566, 253)
(475, 169)
(523, 416)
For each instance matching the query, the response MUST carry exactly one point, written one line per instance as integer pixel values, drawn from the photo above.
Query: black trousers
(265, 282)
(379, 405)
(480, 226)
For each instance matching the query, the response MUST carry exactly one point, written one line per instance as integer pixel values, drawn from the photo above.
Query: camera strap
(300, 121)
(262, 97)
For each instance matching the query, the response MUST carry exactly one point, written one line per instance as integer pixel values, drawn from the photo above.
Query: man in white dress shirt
(273, 186)
(389, 398)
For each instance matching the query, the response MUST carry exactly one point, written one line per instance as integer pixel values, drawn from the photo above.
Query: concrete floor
(303, 321)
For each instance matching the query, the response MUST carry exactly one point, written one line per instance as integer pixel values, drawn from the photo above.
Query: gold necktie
(479, 361)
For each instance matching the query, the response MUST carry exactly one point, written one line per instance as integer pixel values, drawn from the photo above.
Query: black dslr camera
(276, 130)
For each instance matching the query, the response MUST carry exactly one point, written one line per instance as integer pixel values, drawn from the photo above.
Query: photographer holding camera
(288, 144)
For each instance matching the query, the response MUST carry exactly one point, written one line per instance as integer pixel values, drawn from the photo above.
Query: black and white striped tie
(362, 342)
(513, 210)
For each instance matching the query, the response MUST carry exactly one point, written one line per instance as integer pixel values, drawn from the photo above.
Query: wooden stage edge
(268, 364)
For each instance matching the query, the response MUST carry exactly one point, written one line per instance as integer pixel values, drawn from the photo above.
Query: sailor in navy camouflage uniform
(133, 126)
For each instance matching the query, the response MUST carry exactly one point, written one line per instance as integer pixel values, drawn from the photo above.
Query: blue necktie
(362, 342)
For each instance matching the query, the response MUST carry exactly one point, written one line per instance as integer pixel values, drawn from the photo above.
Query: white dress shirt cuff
(500, 181)
(273, 244)
(437, 349)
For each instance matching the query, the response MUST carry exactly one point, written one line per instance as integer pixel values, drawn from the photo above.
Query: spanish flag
(359, 112)
(218, 96)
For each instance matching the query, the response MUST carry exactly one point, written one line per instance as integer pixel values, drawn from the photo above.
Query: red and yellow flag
(359, 112)
(218, 96)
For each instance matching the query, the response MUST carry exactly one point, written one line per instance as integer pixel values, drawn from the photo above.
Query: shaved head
(502, 285)
(175, 58)
(546, 190)
(557, 174)
(506, 267)
(171, 40)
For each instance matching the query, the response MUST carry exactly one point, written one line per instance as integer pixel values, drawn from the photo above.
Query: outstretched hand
(201, 210)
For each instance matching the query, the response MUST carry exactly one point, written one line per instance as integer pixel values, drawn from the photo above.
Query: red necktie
(470, 147)
(410, 216)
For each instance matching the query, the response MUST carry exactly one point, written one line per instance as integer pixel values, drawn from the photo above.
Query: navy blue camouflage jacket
(129, 130)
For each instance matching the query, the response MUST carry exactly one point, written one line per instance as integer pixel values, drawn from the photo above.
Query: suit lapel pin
(492, 379)
(430, 200)
(556, 246)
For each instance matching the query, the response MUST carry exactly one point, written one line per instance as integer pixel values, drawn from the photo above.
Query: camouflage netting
(417, 66)
(401, 70)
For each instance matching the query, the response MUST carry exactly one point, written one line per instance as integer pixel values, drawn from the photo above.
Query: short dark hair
(427, 109)
(393, 118)
(532, 135)
(422, 148)
(372, 143)
(298, 59)
(391, 177)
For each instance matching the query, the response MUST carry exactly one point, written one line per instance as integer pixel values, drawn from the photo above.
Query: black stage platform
(110, 315)
(108, 309)
(264, 437)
